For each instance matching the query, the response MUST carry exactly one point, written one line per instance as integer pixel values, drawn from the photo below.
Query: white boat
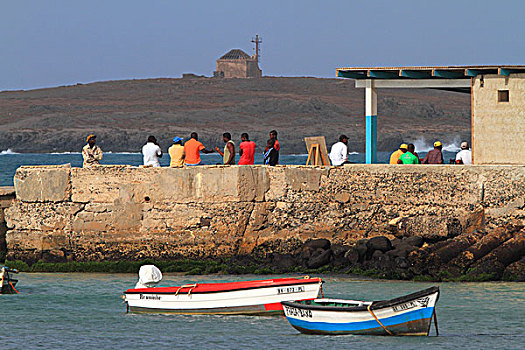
(260, 297)
(407, 315)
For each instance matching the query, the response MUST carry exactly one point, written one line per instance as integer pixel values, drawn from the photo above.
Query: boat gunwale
(376, 305)
(194, 290)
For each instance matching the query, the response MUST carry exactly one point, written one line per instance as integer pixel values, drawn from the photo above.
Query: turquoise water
(78, 311)
(9, 162)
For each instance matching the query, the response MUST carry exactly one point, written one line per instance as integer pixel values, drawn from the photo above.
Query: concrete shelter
(497, 104)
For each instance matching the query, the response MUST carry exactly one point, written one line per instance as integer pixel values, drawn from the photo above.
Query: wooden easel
(315, 154)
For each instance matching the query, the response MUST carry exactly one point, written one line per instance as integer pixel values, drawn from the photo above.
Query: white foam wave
(423, 145)
(60, 153)
(8, 151)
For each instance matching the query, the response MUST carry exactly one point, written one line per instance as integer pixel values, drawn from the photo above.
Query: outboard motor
(149, 276)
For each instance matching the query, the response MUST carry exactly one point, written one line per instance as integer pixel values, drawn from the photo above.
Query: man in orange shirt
(192, 149)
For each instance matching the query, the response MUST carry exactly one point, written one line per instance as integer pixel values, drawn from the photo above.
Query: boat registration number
(289, 290)
(292, 311)
(422, 302)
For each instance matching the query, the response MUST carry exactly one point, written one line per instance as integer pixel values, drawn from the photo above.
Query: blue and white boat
(407, 315)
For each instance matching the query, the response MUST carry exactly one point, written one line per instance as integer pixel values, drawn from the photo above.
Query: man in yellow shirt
(394, 157)
(176, 152)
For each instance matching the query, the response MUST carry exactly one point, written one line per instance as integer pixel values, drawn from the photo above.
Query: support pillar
(370, 122)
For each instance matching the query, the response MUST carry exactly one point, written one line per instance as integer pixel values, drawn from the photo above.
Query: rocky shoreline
(472, 256)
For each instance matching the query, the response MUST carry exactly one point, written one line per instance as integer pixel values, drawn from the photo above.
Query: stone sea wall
(112, 213)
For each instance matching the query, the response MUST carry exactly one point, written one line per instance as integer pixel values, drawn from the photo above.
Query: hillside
(124, 113)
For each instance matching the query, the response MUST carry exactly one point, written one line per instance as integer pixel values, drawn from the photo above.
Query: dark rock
(338, 254)
(414, 241)
(352, 256)
(515, 271)
(454, 228)
(401, 251)
(283, 262)
(340, 249)
(379, 243)
(319, 258)
(395, 242)
(377, 255)
(318, 243)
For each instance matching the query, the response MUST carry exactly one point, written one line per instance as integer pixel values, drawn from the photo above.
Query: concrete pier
(122, 212)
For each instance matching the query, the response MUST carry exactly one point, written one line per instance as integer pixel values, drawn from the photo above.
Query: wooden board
(309, 141)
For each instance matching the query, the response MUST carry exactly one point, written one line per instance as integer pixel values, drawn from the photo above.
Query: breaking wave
(8, 151)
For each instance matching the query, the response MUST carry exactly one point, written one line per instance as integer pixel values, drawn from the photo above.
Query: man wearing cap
(394, 157)
(434, 156)
(339, 151)
(176, 152)
(409, 157)
(91, 153)
(465, 155)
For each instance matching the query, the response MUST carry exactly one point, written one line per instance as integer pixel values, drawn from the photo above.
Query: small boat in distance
(7, 283)
(407, 315)
(261, 297)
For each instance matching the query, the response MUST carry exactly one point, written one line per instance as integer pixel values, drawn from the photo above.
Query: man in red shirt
(246, 150)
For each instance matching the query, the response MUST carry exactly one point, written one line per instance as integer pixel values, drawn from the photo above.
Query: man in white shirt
(465, 155)
(339, 151)
(152, 152)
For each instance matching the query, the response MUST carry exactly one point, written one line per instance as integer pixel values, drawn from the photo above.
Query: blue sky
(52, 43)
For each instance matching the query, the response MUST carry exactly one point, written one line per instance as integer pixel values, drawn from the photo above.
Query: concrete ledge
(109, 212)
(43, 184)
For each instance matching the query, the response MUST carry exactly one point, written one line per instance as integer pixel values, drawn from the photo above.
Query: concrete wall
(123, 212)
(239, 68)
(499, 127)
(7, 195)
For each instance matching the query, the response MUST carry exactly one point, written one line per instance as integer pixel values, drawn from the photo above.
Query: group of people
(406, 154)
(189, 152)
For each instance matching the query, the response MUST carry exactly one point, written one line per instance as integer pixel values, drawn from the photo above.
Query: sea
(85, 311)
(10, 161)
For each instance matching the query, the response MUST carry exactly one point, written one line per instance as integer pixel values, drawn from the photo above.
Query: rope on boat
(191, 286)
(372, 313)
(13, 287)
(436, 322)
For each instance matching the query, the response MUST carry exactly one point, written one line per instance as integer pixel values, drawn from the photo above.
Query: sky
(52, 43)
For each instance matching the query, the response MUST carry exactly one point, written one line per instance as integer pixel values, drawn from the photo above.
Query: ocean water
(83, 311)
(10, 161)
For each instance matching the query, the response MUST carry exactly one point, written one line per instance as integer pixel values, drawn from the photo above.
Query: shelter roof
(426, 72)
(235, 54)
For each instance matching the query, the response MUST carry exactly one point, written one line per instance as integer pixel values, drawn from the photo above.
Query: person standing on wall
(394, 157)
(228, 156)
(246, 150)
(91, 153)
(465, 155)
(151, 152)
(192, 149)
(434, 156)
(176, 152)
(339, 151)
